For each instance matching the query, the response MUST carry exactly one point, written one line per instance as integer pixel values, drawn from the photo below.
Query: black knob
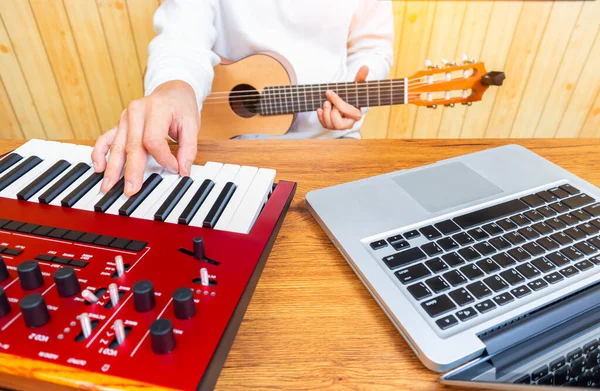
(30, 275)
(143, 296)
(66, 282)
(34, 310)
(198, 248)
(183, 303)
(4, 304)
(3, 270)
(493, 78)
(161, 336)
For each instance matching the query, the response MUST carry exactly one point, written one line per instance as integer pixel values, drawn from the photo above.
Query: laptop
(487, 264)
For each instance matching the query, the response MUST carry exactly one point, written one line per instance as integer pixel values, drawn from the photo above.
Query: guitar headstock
(451, 83)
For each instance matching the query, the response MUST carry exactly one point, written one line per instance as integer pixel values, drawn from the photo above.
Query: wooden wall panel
(69, 67)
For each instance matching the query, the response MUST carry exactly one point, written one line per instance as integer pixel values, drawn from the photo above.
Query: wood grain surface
(311, 324)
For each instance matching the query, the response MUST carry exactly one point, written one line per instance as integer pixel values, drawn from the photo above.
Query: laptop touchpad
(445, 186)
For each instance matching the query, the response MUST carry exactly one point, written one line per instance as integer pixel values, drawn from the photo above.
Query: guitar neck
(304, 98)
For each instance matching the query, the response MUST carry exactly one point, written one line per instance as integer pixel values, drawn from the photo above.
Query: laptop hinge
(544, 319)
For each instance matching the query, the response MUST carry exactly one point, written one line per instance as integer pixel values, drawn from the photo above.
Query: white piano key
(88, 201)
(151, 204)
(251, 205)
(242, 180)
(85, 152)
(227, 174)
(208, 171)
(31, 147)
(49, 153)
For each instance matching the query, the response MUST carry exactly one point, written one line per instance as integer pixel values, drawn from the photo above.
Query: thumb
(362, 73)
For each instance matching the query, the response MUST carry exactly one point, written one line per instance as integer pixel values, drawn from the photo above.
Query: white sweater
(326, 41)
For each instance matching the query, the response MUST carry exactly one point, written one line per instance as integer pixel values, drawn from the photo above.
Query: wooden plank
(9, 124)
(416, 30)
(28, 46)
(498, 39)
(579, 48)
(547, 62)
(584, 95)
(54, 27)
(140, 14)
(591, 127)
(17, 91)
(119, 36)
(472, 36)
(377, 120)
(528, 34)
(95, 60)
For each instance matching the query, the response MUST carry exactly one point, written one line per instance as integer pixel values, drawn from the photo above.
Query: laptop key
(593, 210)
(546, 211)
(446, 322)
(569, 271)
(514, 238)
(558, 192)
(520, 220)
(512, 276)
(595, 241)
(561, 238)
(539, 373)
(555, 223)
(412, 234)
(570, 189)
(447, 244)
(533, 215)
(500, 243)
(471, 271)
(455, 278)
(438, 306)
(579, 214)
(584, 265)
(447, 227)
(430, 233)
(506, 224)
(520, 291)
(503, 260)
(542, 228)
(466, 314)
(537, 285)
(575, 233)
(595, 260)
(399, 245)
(568, 219)
(479, 290)
(528, 270)
(491, 213)
(469, 254)
(496, 283)
(404, 258)
(478, 234)
(533, 200)
(547, 196)
(529, 233)
(578, 201)
(484, 248)
(586, 248)
(558, 363)
(561, 375)
(463, 238)
(488, 266)
(503, 298)
(378, 244)
(452, 259)
(589, 229)
(548, 244)
(419, 291)
(519, 254)
(395, 238)
(534, 249)
(558, 259)
(525, 379)
(437, 284)
(589, 347)
(436, 265)
(493, 229)
(572, 253)
(485, 306)
(559, 207)
(412, 273)
(431, 249)
(543, 265)
(461, 297)
(553, 278)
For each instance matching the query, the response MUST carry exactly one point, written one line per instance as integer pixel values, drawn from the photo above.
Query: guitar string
(363, 97)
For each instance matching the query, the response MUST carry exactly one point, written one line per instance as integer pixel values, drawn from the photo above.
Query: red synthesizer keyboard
(150, 289)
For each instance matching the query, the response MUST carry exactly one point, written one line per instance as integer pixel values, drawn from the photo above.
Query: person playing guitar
(325, 41)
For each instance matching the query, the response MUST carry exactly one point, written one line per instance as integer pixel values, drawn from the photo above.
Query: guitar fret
(356, 90)
(378, 93)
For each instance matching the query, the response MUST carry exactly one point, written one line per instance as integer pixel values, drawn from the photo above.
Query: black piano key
(40, 182)
(167, 207)
(219, 206)
(63, 183)
(135, 200)
(492, 213)
(9, 161)
(19, 171)
(196, 202)
(82, 189)
(111, 196)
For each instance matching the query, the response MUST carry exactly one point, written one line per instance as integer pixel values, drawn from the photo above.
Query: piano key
(133, 202)
(198, 174)
(227, 174)
(153, 201)
(110, 197)
(17, 172)
(47, 176)
(196, 202)
(253, 201)
(84, 153)
(242, 180)
(63, 183)
(219, 206)
(83, 190)
(9, 161)
(172, 199)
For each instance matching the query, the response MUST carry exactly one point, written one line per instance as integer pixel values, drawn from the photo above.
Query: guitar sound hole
(244, 100)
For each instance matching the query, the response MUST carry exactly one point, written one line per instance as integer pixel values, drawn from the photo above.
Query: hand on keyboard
(171, 110)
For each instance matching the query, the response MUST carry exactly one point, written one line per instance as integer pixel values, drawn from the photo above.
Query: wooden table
(311, 323)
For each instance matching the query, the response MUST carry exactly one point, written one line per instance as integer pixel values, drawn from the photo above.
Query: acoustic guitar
(259, 95)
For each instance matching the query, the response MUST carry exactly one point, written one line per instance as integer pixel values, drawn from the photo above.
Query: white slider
(113, 291)
(428, 64)
(119, 331)
(464, 58)
(89, 296)
(204, 277)
(120, 265)
(86, 324)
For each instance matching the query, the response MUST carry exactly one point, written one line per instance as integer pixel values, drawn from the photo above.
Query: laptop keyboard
(480, 261)
(580, 368)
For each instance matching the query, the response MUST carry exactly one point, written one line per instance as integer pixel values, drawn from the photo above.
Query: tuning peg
(448, 63)
(450, 105)
(429, 65)
(493, 78)
(432, 107)
(467, 103)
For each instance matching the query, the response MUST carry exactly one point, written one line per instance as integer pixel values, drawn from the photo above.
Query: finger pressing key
(101, 149)
(117, 157)
(136, 154)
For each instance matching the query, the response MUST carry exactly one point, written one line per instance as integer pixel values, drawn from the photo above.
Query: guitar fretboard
(304, 98)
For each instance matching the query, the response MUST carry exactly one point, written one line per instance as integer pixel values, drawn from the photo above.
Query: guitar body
(224, 120)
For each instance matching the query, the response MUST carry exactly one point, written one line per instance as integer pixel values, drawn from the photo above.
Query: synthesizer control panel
(131, 298)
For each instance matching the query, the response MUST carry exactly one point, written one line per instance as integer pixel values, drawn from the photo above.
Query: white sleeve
(371, 39)
(182, 48)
